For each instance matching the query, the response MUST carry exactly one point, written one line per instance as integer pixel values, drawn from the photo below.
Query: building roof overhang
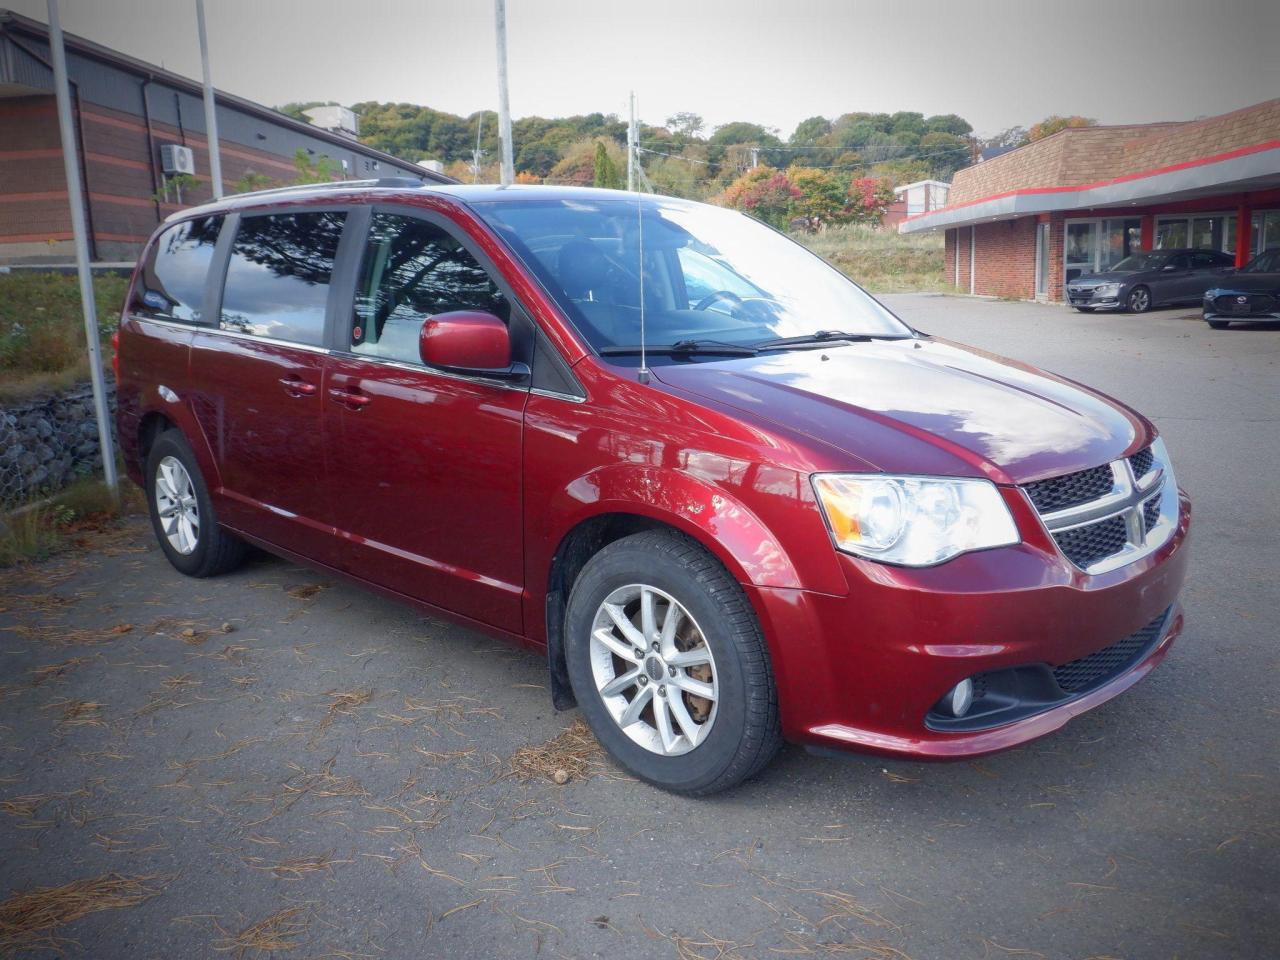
(35, 29)
(1255, 167)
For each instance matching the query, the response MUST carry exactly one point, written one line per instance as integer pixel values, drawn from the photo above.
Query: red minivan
(731, 497)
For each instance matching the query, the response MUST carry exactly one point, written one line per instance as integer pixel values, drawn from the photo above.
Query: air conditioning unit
(177, 159)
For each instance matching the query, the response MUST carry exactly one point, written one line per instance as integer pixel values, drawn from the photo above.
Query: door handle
(349, 398)
(297, 388)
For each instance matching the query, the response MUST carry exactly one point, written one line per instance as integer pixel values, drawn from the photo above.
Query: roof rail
(400, 182)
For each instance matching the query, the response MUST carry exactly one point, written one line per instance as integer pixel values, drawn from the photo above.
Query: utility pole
(504, 103)
(75, 196)
(210, 108)
(631, 146)
(755, 157)
(477, 153)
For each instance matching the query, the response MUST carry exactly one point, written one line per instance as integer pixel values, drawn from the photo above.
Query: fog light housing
(960, 698)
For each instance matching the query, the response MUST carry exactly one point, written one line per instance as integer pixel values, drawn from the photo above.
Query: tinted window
(1265, 263)
(172, 282)
(411, 270)
(1206, 260)
(1181, 262)
(278, 276)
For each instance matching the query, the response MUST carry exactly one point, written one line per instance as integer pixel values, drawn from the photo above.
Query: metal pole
(631, 146)
(210, 108)
(504, 103)
(75, 196)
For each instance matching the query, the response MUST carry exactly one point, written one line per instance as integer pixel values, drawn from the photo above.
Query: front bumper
(1242, 305)
(1088, 298)
(865, 671)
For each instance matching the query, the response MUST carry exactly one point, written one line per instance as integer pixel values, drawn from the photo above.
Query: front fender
(704, 511)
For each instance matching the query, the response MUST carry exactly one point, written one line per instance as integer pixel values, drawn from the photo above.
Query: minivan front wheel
(668, 663)
(182, 514)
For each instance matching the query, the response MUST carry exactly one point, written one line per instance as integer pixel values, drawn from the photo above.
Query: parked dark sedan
(1253, 293)
(1153, 279)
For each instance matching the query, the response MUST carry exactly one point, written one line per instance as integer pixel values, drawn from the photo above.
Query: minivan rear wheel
(669, 665)
(182, 514)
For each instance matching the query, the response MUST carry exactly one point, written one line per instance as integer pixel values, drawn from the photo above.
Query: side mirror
(466, 340)
(1169, 267)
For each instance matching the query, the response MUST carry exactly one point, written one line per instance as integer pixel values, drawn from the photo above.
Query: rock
(561, 776)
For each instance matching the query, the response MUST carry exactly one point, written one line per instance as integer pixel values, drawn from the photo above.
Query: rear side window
(413, 269)
(278, 276)
(171, 286)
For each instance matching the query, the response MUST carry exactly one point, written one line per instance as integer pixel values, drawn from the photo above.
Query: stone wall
(47, 442)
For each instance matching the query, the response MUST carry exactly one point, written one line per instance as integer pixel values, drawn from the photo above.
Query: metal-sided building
(1024, 223)
(127, 113)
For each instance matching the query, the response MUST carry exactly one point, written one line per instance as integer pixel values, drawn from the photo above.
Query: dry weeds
(574, 751)
(31, 920)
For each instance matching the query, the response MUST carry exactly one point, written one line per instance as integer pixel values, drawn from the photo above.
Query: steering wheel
(717, 296)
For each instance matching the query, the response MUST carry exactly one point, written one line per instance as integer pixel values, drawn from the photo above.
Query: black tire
(1218, 324)
(216, 550)
(1139, 300)
(746, 732)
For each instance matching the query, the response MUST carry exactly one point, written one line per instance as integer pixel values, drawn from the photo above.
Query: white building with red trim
(1025, 222)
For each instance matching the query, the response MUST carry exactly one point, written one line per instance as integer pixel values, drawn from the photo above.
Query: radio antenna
(643, 373)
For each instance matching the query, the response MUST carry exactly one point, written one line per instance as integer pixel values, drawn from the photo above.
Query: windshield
(709, 274)
(1140, 262)
(1264, 263)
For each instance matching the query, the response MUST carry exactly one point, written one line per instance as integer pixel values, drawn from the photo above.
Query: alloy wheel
(177, 506)
(1139, 300)
(654, 670)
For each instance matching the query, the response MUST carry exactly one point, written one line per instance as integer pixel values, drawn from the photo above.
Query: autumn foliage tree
(1051, 125)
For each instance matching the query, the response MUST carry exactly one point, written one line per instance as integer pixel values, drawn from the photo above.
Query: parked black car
(1153, 279)
(1252, 293)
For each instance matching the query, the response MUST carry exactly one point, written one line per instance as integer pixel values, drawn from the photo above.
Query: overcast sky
(995, 63)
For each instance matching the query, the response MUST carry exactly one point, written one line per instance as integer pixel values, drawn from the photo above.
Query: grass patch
(42, 346)
(86, 507)
(883, 261)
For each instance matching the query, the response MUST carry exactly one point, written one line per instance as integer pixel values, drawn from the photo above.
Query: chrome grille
(1070, 489)
(1087, 545)
(1106, 516)
(1142, 461)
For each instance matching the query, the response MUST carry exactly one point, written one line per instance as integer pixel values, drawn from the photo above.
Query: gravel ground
(332, 775)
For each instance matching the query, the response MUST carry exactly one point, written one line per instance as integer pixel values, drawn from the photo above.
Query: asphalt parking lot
(335, 776)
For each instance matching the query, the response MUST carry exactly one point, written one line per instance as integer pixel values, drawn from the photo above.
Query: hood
(923, 406)
(1110, 276)
(1247, 283)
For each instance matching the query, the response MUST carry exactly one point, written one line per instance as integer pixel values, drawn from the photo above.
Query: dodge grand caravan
(729, 496)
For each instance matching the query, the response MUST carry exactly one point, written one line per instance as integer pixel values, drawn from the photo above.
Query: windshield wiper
(684, 348)
(825, 336)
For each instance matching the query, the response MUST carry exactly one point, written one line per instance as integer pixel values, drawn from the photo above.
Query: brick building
(126, 111)
(1023, 223)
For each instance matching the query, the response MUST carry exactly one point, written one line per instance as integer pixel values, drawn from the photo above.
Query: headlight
(913, 521)
(1107, 289)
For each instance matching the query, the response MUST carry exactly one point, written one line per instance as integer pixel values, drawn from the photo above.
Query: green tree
(251, 181)
(685, 125)
(606, 174)
(949, 123)
(322, 170)
(945, 153)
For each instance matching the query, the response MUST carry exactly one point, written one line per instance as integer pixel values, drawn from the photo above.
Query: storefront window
(1080, 250)
(1270, 230)
(1171, 234)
